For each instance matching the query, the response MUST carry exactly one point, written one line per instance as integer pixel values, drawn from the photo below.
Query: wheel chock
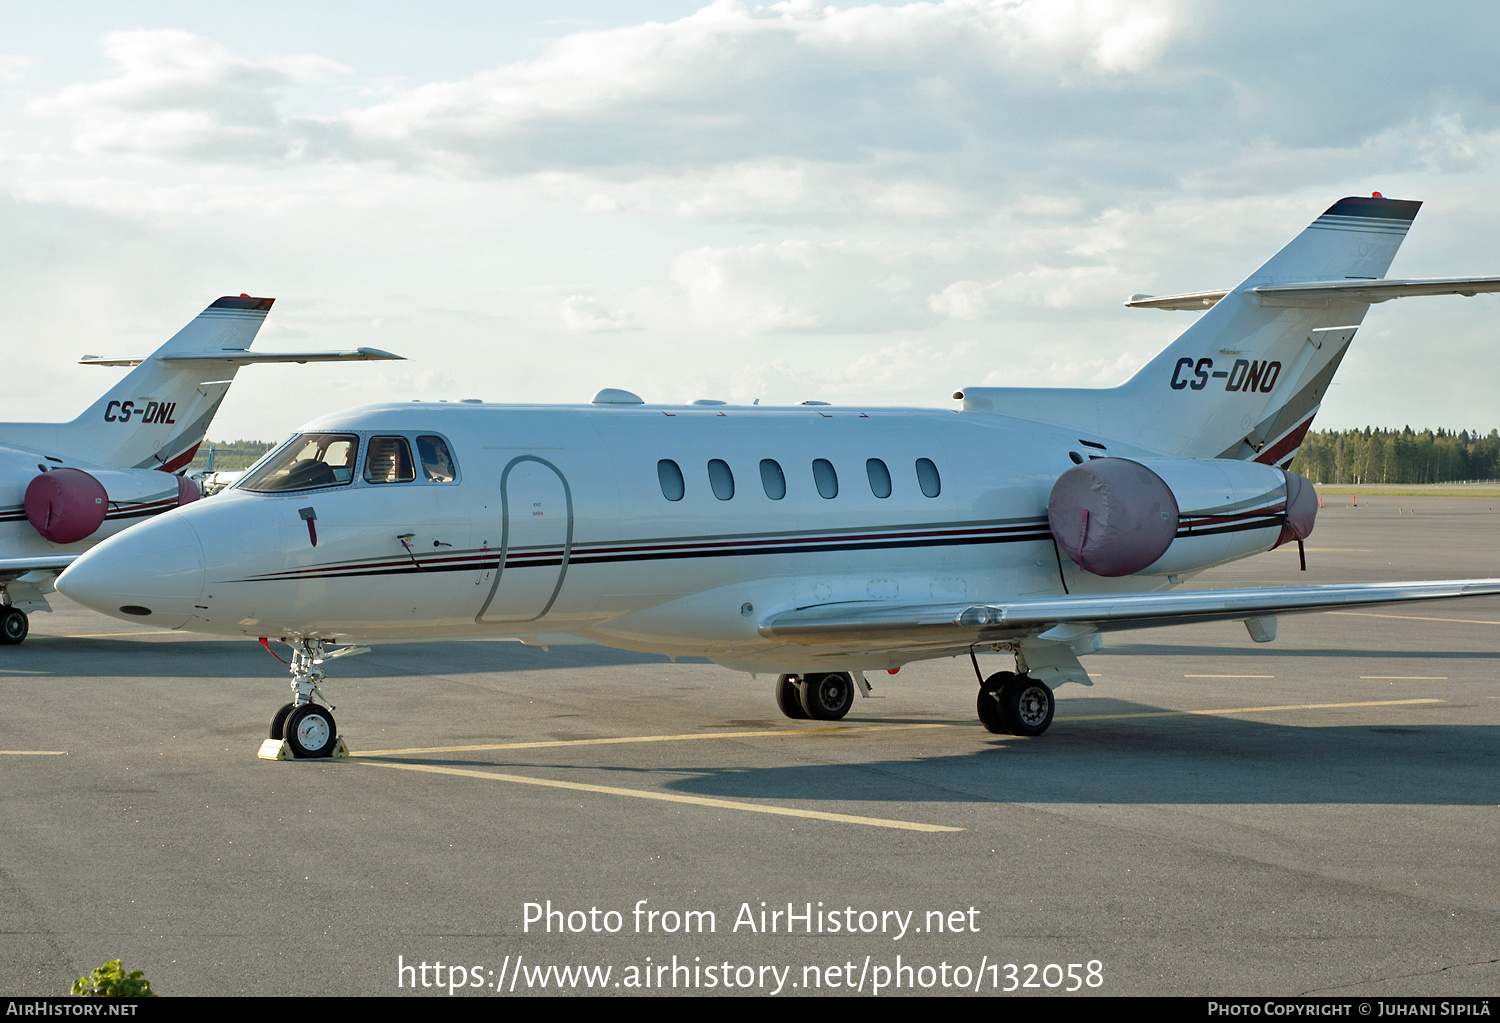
(275, 749)
(280, 749)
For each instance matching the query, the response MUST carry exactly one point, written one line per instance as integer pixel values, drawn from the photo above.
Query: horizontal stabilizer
(1309, 293)
(241, 357)
(977, 623)
(1193, 301)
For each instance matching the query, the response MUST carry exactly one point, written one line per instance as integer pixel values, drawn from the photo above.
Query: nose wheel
(311, 732)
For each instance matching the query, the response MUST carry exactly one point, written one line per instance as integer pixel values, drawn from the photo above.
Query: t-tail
(1246, 380)
(158, 414)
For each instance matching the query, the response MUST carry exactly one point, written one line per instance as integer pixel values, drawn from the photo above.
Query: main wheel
(989, 701)
(310, 731)
(789, 697)
(14, 625)
(827, 697)
(278, 721)
(1026, 706)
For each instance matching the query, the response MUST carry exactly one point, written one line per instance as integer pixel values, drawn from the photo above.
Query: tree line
(1398, 456)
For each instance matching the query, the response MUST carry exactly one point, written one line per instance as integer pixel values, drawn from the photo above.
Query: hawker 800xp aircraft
(811, 542)
(66, 486)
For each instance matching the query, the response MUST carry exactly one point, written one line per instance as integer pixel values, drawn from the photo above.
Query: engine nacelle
(67, 505)
(1159, 516)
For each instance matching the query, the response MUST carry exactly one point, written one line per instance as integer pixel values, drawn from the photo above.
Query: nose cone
(151, 573)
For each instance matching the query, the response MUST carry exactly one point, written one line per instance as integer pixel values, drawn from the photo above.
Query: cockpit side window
(389, 461)
(305, 463)
(437, 461)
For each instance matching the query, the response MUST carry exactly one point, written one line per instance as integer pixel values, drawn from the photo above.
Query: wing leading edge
(963, 624)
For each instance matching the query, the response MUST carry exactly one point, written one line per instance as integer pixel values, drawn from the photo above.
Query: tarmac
(1319, 815)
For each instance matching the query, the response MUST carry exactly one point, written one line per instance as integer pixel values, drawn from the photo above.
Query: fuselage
(669, 529)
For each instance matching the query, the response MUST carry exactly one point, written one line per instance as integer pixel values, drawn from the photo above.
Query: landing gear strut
(308, 728)
(14, 625)
(1011, 704)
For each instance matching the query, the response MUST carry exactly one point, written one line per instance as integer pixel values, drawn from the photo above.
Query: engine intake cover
(1112, 516)
(66, 505)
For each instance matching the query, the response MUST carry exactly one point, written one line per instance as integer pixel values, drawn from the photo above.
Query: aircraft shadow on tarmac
(1165, 758)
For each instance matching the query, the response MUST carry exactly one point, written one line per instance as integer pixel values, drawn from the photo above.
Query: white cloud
(587, 313)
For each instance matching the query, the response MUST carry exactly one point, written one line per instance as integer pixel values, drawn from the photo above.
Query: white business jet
(812, 542)
(66, 486)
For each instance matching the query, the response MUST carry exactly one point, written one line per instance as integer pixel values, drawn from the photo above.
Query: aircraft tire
(311, 732)
(1026, 706)
(789, 697)
(827, 697)
(988, 703)
(278, 721)
(14, 625)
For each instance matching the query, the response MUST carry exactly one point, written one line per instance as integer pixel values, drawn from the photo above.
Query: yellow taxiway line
(688, 737)
(33, 752)
(668, 797)
(1411, 618)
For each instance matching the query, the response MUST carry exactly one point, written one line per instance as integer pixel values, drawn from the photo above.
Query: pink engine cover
(187, 491)
(66, 505)
(1112, 516)
(1301, 509)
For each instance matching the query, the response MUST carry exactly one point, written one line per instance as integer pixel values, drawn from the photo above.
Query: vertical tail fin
(158, 414)
(1246, 379)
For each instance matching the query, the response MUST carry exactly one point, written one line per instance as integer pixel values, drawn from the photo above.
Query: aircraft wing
(961, 624)
(244, 357)
(1315, 292)
(11, 568)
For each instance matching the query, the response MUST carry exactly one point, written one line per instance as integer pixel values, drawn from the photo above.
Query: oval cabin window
(927, 477)
(880, 477)
(826, 479)
(670, 477)
(772, 478)
(720, 479)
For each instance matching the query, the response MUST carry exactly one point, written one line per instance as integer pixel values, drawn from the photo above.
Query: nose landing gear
(303, 729)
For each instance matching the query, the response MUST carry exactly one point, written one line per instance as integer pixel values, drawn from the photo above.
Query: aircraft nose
(151, 573)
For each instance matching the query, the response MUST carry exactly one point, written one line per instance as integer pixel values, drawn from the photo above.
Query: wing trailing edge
(963, 624)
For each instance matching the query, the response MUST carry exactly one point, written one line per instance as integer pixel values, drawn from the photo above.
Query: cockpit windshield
(306, 462)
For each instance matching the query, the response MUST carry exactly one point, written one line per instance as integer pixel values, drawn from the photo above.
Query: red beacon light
(1376, 195)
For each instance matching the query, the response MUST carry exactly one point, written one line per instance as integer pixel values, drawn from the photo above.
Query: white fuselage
(559, 527)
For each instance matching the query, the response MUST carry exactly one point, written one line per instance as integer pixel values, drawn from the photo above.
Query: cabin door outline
(511, 529)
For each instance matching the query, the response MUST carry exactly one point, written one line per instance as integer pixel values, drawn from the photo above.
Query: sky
(848, 202)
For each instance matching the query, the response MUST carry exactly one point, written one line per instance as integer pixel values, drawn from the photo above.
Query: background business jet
(811, 542)
(66, 486)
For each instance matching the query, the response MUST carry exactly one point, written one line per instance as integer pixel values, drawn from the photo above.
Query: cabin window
(304, 463)
(720, 479)
(826, 479)
(880, 477)
(388, 460)
(437, 461)
(927, 477)
(772, 478)
(670, 477)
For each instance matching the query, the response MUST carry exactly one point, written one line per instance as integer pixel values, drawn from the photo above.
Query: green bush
(111, 981)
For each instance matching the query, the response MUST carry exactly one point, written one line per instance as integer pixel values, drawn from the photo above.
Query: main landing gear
(14, 625)
(308, 728)
(1011, 704)
(825, 696)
